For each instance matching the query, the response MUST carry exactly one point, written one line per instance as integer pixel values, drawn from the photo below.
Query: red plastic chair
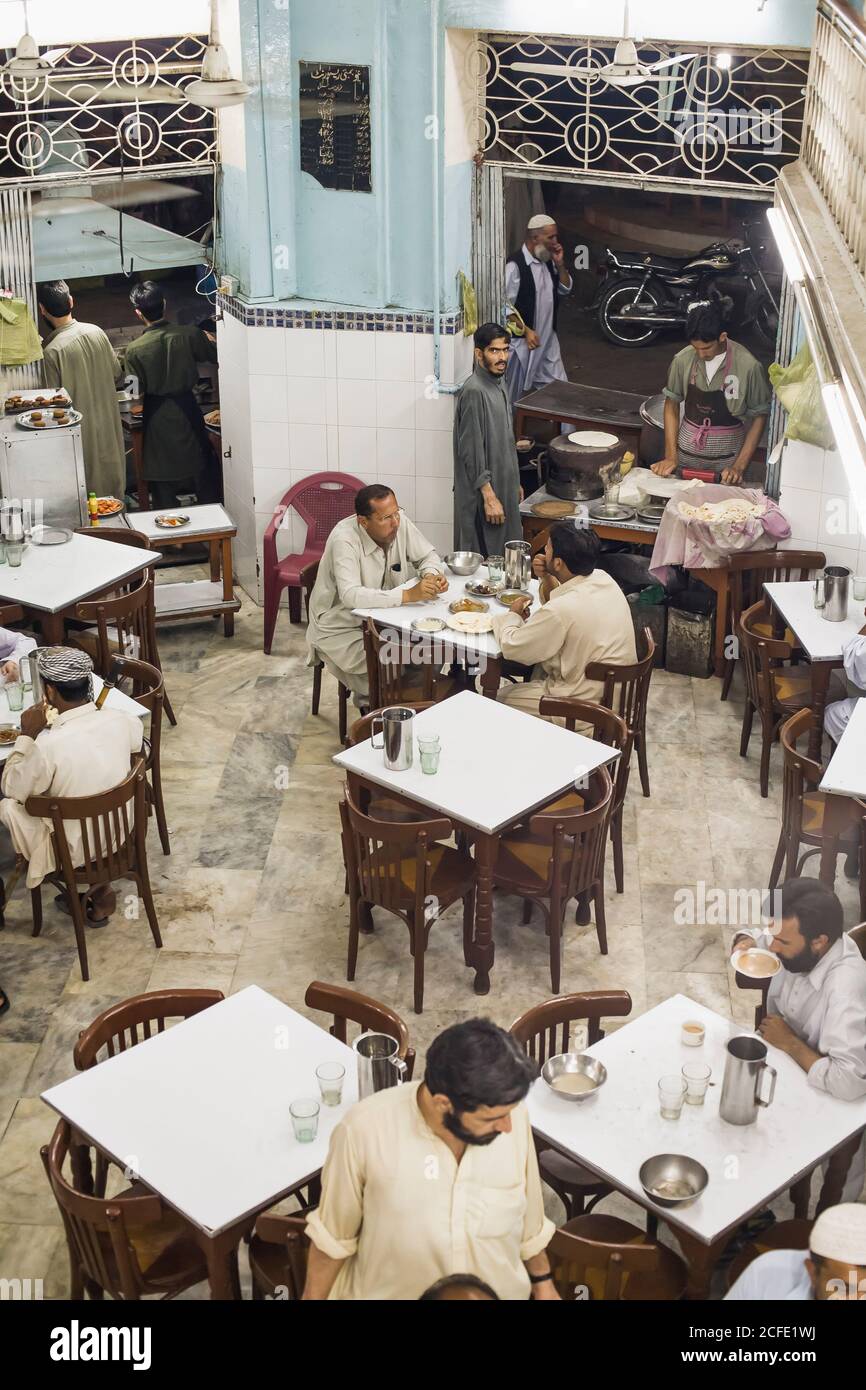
(321, 501)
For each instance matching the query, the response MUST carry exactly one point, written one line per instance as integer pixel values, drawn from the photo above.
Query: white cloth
(837, 714)
(14, 645)
(713, 365)
(527, 371)
(779, 1275)
(85, 752)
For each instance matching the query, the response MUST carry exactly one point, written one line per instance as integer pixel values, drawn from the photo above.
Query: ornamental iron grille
(104, 109)
(724, 119)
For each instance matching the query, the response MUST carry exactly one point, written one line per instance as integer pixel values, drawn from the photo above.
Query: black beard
(800, 964)
(452, 1123)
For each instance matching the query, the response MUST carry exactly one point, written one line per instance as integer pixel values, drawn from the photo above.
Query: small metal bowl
(459, 606)
(508, 596)
(435, 625)
(463, 561)
(662, 1168)
(575, 1062)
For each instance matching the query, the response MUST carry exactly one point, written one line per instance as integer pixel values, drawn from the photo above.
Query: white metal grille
(16, 272)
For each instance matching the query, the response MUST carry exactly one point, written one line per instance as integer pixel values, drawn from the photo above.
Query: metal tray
(50, 535)
(614, 512)
(49, 423)
(182, 520)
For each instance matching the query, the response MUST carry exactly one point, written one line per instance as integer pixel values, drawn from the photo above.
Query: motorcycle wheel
(766, 323)
(624, 335)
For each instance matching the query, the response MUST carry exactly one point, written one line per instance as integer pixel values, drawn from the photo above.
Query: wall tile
(395, 357)
(268, 398)
(841, 555)
(464, 358)
(271, 484)
(433, 501)
(395, 453)
(835, 478)
(356, 355)
(333, 434)
(405, 493)
(269, 445)
(329, 346)
(308, 447)
(395, 404)
(358, 452)
(436, 414)
(356, 403)
(434, 454)
(305, 352)
(332, 401)
(802, 466)
(802, 513)
(266, 348)
(306, 400)
(837, 521)
(423, 355)
(439, 535)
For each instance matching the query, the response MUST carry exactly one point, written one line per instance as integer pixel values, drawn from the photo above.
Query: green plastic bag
(469, 304)
(799, 391)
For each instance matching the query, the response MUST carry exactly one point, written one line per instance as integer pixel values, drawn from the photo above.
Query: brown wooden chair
(858, 936)
(784, 1235)
(346, 1006)
(144, 684)
(308, 579)
(803, 807)
(613, 1261)
(607, 728)
(774, 691)
(748, 573)
(626, 691)
(113, 829)
(545, 1031)
(556, 857)
(278, 1257)
(404, 868)
(391, 681)
(130, 1246)
(373, 801)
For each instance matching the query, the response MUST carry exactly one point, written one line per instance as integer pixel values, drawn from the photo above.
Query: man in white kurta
(368, 559)
(833, 1268)
(85, 751)
(816, 1005)
(837, 714)
(532, 289)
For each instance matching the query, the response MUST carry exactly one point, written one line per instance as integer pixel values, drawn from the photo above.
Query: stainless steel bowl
(664, 1168)
(463, 561)
(579, 1062)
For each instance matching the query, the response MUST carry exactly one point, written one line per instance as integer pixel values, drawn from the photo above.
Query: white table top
(822, 640)
(616, 1131)
(497, 763)
(116, 700)
(846, 770)
(53, 577)
(206, 519)
(201, 1111)
(403, 617)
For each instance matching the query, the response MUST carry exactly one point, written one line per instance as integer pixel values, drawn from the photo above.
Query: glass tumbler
(330, 1076)
(14, 552)
(429, 748)
(697, 1079)
(496, 571)
(672, 1093)
(14, 695)
(305, 1120)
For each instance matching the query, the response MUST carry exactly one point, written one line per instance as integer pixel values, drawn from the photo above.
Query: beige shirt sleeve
(537, 639)
(26, 773)
(335, 1225)
(538, 1229)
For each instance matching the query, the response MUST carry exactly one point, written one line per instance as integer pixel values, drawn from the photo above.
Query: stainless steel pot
(395, 724)
(518, 564)
(573, 469)
(837, 582)
(741, 1087)
(379, 1066)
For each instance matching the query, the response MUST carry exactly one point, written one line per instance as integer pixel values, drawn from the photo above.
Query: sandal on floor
(63, 903)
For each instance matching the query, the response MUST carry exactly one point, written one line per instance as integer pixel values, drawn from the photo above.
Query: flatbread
(553, 509)
(470, 624)
(593, 439)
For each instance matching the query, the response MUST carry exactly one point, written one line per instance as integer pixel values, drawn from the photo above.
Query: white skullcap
(839, 1233)
(540, 219)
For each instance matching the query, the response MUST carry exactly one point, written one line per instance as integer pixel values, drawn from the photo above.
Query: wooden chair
(773, 691)
(307, 580)
(536, 1030)
(858, 935)
(608, 728)
(278, 1257)
(373, 801)
(403, 868)
(783, 1235)
(614, 1261)
(346, 1006)
(556, 857)
(626, 691)
(803, 807)
(113, 828)
(129, 1246)
(748, 573)
(145, 686)
(391, 682)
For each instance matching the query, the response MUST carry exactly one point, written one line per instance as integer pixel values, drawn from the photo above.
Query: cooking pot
(573, 468)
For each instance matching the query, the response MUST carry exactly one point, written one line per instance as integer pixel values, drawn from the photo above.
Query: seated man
(13, 645)
(84, 751)
(584, 617)
(833, 1268)
(847, 688)
(367, 558)
(816, 1004)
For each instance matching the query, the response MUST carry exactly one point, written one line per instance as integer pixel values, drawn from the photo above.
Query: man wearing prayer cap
(833, 1268)
(536, 277)
(76, 750)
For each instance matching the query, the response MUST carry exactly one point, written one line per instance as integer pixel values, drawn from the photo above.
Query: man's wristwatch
(540, 1278)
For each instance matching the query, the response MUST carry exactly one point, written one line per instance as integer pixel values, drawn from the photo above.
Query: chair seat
(391, 808)
(166, 1252)
(452, 873)
(666, 1283)
(766, 630)
(289, 568)
(523, 862)
(559, 1171)
(812, 822)
(269, 1265)
(791, 688)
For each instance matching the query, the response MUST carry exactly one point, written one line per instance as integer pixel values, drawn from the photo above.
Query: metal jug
(395, 724)
(30, 676)
(837, 581)
(744, 1068)
(518, 564)
(378, 1063)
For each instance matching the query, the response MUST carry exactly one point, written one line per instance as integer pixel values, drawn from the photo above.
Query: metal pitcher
(744, 1069)
(29, 674)
(378, 1063)
(395, 725)
(837, 582)
(518, 564)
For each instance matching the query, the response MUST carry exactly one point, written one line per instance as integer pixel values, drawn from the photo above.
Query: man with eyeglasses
(486, 471)
(367, 561)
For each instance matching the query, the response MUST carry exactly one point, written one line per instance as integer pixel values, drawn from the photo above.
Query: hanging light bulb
(26, 62)
(216, 87)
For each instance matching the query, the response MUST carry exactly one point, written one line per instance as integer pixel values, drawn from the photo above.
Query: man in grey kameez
(486, 473)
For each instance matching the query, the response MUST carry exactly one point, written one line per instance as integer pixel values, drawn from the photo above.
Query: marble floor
(253, 892)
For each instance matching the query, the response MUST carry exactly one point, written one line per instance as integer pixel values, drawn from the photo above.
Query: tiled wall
(302, 400)
(815, 498)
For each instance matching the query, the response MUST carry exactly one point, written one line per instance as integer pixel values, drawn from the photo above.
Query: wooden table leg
(701, 1260)
(221, 1254)
(53, 628)
(491, 674)
(839, 813)
(718, 580)
(214, 549)
(482, 943)
(820, 681)
(228, 585)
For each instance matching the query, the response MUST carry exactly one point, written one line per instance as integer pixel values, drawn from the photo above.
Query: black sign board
(335, 125)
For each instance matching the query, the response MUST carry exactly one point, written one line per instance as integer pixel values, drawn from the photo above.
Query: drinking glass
(859, 586)
(305, 1120)
(697, 1079)
(429, 748)
(14, 551)
(672, 1093)
(330, 1076)
(2, 550)
(819, 596)
(26, 670)
(15, 694)
(496, 570)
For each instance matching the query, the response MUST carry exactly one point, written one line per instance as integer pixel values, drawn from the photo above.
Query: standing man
(436, 1177)
(536, 278)
(164, 359)
(487, 492)
(79, 357)
(847, 688)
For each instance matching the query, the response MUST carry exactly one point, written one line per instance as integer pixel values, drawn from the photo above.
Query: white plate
(26, 423)
(772, 962)
(470, 624)
(594, 439)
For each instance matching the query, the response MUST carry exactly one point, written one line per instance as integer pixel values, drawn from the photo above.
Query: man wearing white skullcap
(70, 748)
(536, 278)
(833, 1268)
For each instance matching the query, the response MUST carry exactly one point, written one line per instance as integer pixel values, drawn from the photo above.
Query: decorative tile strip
(377, 321)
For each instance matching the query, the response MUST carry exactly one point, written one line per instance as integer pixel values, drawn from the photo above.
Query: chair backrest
(577, 839)
(291, 1232)
(386, 666)
(858, 936)
(375, 853)
(346, 1006)
(607, 727)
(362, 728)
(112, 825)
(11, 613)
(146, 687)
(124, 624)
(577, 1263)
(626, 687)
(749, 571)
(321, 501)
(134, 1020)
(121, 535)
(800, 773)
(537, 1028)
(760, 653)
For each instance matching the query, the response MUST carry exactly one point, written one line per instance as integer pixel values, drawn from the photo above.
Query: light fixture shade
(216, 87)
(26, 62)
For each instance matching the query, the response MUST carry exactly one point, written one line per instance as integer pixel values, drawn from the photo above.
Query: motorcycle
(641, 295)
